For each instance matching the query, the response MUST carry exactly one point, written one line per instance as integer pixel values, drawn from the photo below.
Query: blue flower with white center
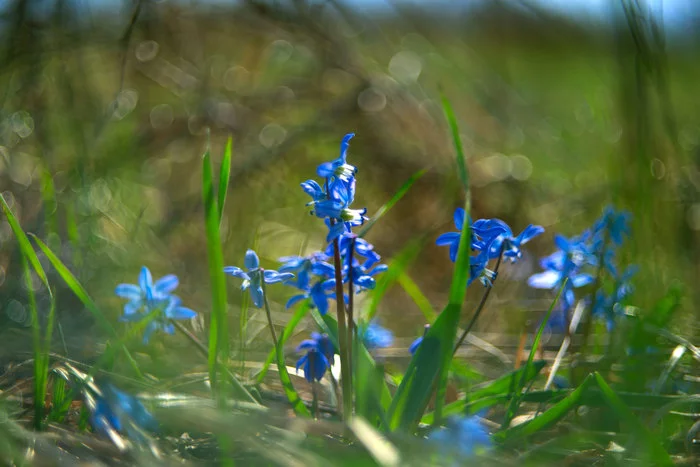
(416, 343)
(339, 168)
(148, 297)
(304, 266)
(254, 276)
(319, 294)
(462, 437)
(318, 357)
(375, 336)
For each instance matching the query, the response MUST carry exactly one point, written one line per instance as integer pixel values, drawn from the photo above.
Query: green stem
(479, 308)
(351, 304)
(267, 311)
(342, 334)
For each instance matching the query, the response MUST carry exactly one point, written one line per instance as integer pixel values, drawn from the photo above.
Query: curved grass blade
(218, 325)
(515, 401)
(416, 294)
(456, 140)
(390, 204)
(291, 393)
(298, 315)
(503, 386)
(224, 176)
(83, 296)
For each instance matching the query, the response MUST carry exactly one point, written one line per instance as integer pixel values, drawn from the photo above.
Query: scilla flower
(254, 276)
(318, 357)
(375, 336)
(461, 438)
(148, 297)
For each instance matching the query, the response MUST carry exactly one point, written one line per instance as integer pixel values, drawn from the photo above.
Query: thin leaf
(291, 393)
(218, 326)
(83, 296)
(456, 140)
(224, 176)
(416, 294)
(389, 204)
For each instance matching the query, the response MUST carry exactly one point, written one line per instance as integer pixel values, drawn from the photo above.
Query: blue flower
(461, 438)
(608, 306)
(614, 224)
(319, 294)
(318, 357)
(254, 276)
(362, 248)
(332, 200)
(147, 297)
(113, 410)
(499, 236)
(452, 238)
(375, 337)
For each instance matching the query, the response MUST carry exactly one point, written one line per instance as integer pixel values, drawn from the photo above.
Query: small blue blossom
(608, 306)
(375, 336)
(148, 297)
(113, 410)
(318, 357)
(254, 276)
(304, 266)
(462, 437)
(339, 168)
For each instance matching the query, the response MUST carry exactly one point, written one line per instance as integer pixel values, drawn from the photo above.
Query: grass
(543, 126)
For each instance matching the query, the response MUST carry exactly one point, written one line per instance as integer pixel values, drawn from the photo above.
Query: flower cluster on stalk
(584, 260)
(148, 297)
(491, 239)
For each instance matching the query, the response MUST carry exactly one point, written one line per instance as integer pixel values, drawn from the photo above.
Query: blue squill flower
(614, 224)
(339, 168)
(149, 297)
(500, 239)
(375, 336)
(318, 357)
(254, 276)
(451, 239)
(362, 248)
(319, 294)
(608, 306)
(461, 438)
(362, 276)
(112, 410)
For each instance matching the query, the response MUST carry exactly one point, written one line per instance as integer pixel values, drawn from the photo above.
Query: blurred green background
(105, 111)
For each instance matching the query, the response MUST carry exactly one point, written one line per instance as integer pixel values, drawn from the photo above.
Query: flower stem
(342, 334)
(479, 308)
(269, 314)
(351, 304)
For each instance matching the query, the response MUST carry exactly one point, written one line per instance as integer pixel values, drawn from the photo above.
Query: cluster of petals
(254, 276)
(318, 356)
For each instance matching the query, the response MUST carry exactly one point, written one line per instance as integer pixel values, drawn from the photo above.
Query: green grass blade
(291, 393)
(416, 294)
(83, 296)
(218, 325)
(657, 453)
(549, 417)
(456, 140)
(515, 401)
(296, 318)
(48, 196)
(389, 204)
(224, 176)
(503, 386)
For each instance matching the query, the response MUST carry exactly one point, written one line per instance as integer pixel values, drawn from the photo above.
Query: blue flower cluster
(149, 296)
(491, 239)
(254, 276)
(594, 250)
(332, 200)
(318, 358)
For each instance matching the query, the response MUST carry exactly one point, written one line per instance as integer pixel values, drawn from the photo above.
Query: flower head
(461, 438)
(304, 266)
(375, 336)
(254, 276)
(318, 357)
(148, 297)
(319, 293)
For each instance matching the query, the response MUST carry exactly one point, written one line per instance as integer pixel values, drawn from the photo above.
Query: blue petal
(132, 307)
(146, 281)
(544, 280)
(414, 345)
(366, 282)
(251, 260)
(447, 238)
(181, 313)
(459, 218)
(272, 277)
(344, 144)
(530, 232)
(150, 328)
(581, 280)
(130, 291)
(236, 272)
(335, 231)
(454, 250)
(166, 284)
(294, 300)
(325, 170)
(256, 293)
